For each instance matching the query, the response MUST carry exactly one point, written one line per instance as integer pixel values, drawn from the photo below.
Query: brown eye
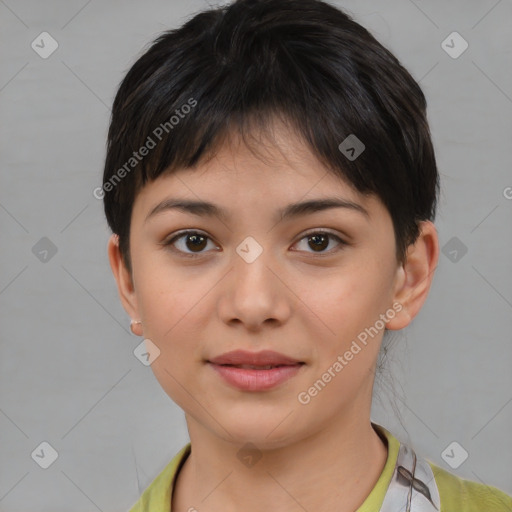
(318, 241)
(196, 241)
(189, 243)
(193, 243)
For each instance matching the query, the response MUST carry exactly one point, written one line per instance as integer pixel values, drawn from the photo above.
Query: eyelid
(320, 230)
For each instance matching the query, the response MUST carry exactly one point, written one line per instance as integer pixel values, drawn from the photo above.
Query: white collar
(413, 487)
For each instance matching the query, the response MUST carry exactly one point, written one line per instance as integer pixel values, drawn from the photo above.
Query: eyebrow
(206, 209)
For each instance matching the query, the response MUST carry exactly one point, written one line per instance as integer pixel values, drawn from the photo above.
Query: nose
(254, 293)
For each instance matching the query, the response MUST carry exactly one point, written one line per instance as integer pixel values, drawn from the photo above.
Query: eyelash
(169, 243)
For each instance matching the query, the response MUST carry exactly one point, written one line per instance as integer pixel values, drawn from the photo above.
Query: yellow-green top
(457, 494)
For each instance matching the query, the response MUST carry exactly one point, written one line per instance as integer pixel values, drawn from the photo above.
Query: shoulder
(157, 496)
(460, 495)
(457, 494)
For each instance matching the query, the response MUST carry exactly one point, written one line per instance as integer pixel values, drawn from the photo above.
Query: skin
(309, 305)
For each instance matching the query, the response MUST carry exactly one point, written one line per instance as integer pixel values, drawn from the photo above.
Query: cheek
(176, 309)
(347, 295)
(162, 290)
(346, 306)
(171, 307)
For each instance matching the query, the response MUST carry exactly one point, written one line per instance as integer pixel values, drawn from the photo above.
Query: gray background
(68, 373)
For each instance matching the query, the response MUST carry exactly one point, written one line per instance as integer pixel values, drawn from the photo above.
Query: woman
(271, 187)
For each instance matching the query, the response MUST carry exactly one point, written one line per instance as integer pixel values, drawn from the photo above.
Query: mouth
(266, 360)
(259, 367)
(255, 371)
(256, 378)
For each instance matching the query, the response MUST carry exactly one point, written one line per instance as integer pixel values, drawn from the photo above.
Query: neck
(344, 460)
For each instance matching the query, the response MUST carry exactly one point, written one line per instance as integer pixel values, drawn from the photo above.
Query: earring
(132, 323)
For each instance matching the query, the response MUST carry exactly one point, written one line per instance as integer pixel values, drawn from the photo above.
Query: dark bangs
(238, 68)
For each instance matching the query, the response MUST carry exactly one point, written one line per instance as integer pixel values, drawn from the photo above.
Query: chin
(265, 432)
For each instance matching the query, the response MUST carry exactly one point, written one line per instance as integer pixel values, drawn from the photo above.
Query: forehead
(258, 172)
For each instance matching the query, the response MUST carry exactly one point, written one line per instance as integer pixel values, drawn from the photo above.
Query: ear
(415, 276)
(123, 278)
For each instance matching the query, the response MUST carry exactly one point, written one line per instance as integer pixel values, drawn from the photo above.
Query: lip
(256, 380)
(263, 358)
(250, 379)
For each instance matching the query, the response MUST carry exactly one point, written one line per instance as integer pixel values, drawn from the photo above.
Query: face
(307, 285)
